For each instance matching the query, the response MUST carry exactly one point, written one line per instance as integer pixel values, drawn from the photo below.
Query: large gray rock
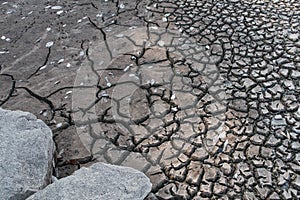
(100, 181)
(26, 153)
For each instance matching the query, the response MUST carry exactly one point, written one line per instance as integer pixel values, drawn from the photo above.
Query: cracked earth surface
(202, 96)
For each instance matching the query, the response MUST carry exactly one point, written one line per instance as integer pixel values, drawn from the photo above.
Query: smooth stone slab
(100, 181)
(26, 153)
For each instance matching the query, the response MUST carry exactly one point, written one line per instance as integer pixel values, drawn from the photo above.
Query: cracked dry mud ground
(202, 96)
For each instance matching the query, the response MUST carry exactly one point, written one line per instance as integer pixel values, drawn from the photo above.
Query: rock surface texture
(26, 153)
(100, 181)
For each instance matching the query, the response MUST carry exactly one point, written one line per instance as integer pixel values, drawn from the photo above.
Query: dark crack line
(45, 62)
(104, 37)
(11, 91)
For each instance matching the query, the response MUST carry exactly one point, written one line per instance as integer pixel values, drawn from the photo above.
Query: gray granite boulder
(26, 154)
(100, 181)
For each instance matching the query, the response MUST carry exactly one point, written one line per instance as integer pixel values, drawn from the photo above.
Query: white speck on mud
(173, 97)
(56, 7)
(49, 44)
(3, 52)
(60, 61)
(43, 67)
(99, 15)
(81, 53)
(59, 12)
(122, 6)
(161, 43)
(119, 35)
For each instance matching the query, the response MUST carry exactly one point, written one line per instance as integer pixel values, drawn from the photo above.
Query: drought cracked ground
(202, 96)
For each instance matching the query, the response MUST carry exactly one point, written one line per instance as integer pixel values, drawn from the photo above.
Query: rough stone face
(100, 181)
(26, 153)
